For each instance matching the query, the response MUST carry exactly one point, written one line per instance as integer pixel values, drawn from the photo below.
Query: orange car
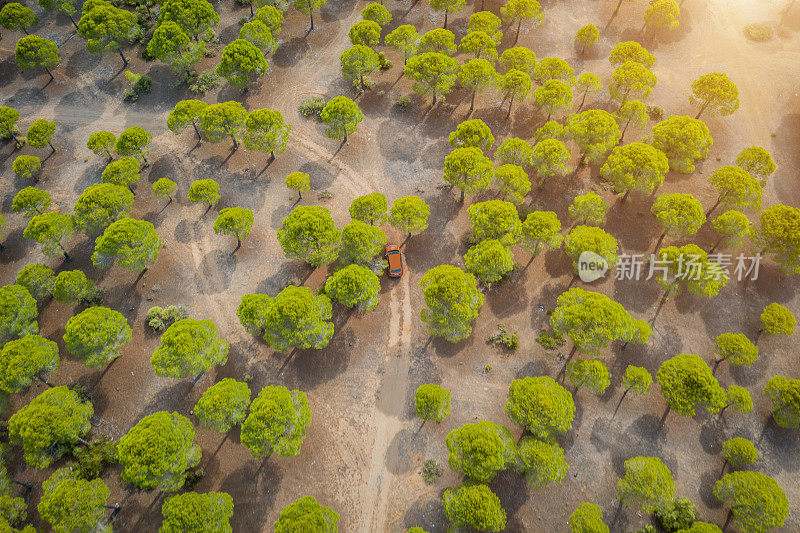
(395, 259)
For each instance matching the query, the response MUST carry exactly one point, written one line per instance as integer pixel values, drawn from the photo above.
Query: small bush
(312, 107)
(384, 63)
(93, 459)
(193, 477)
(675, 515)
(509, 341)
(655, 112)
(325, 195)
(758, 31)
(550, 341)
(403, 102)
(431, 471)
(205, 82)
(84, 393)
(160, 318)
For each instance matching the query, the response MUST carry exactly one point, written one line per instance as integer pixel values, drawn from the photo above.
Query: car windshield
(392, 252)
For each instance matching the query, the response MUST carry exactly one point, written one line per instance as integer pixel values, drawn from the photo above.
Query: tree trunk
(724, 464)
(66, 255)
(716, 244)
(272, 156)
(40, 378)
(53, 148)
(620, 401)
(299, 195)
(445, 19)
(713, 207)
(583, 100)
(83, 442)
(251, 10)
(312, 19)
(124, 60)
(2, 246)
(659, 241)
(462, 196)
(22, 484)
(658, 309)
(51, 79)
(472, 104)
(622, 135)
(197, 377)
(235, 144)
(238, 245)
(170, 201)
(625, 196)
(663, 417)
(550, 114)
(434, 97)
(616, 9)
(519, 26)
(26, 31)
(72, 20)
(511, 103)
(702, 109)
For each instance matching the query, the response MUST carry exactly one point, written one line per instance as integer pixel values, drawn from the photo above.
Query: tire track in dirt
(391, 404)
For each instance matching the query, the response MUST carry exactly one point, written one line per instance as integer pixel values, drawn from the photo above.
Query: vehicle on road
(395, 259)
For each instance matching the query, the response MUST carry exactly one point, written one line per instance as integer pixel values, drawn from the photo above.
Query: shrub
(431, 471)
(758, 31)
(160, 318)
(193, 477)
(312, 107)
(384, 63)
(655, 112)
(403, 102)
(205, 81)
(93, 459)
(509, 341)
(550, 340)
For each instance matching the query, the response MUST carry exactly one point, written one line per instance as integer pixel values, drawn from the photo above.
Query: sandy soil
(364, 449)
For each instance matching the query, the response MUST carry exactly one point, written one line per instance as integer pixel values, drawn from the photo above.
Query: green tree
(72, 286)
(357, 62)
(777, 320)
(432, 402)
(361, 243)
(235, 221)
(252, 312)
(123, 172)
(738, 398)
(635, 167)
(514, 84)
(240, 62)
(259, 34)
(686, 381)
(189, 347)
(277, 422)
(34, 52)
(778, 233)
(37, 279)
(307, 513)
(376, 13)
(223, 405)
(165, 188)
(552, 96)
(70, 503)
(684, 140)
(550, 130)
(40, 133)
(272, 16)
(404, 40)
(716, 93)
(432, 72)
(195, 17)
(631, 113)
(738, 452)
(479, 43)
(591, 320)
(784, 394)
(8, 123)
(675, 515)
(732, 226)
(472, 133)
(297, 318)
(519, 58)
(298, 181)
(589, 208)
(735, 348)
(27, 166)
(132, 244)
(631, 79)
(630, 51)
(134, 142)
(495, 219)
(365, 32)
(757, 161)
(15, 16)
(587, 518)
(541, 406)
(662, 14)
(540, 229)
(96, 335)
(409, 214)
(550, 158)
(370, 208)
(309, 233)
(468, 170)
(476, 75)
(106, 28)
(18, 313)
(341, 117)
(586, 83)
(173, 47)
(590, 373)
(489, 260)
(354, 286)
(519, 10)
(513, 182)
(647, 483)
(157, 452)
(680, 214)
(542, 463)
(513, 151)
(50, 426)
(186, 113)
(49, 229)
(553, 68)
(480, 450)
(307, 7)
(475, 506)
(590, 239)
(637, 379)
(448, 6)
(594, 131)
(23, 360)
(204, 192)
(689, 265)
(225, 119)
(487, 22)
(191, 511)
(587, 36)
(101, 204)
(101, 143)
(737, 189)
(758, 503)
(452, 302)
(31, 201)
